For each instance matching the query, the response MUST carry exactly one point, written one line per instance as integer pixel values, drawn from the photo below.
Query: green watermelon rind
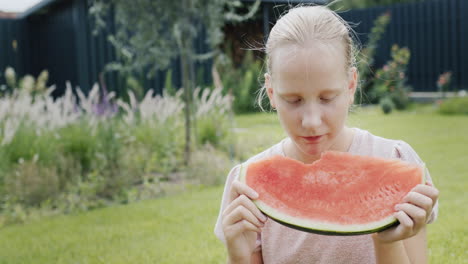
(321, 227)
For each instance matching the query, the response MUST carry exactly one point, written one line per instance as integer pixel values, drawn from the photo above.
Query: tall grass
(80, 151)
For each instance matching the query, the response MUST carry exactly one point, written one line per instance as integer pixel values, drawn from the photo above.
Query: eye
(327, 99)
(294, 100)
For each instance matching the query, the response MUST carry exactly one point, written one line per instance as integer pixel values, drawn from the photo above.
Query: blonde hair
(304, 24)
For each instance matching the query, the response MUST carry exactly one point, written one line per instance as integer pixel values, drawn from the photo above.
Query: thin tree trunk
(187, 86)
(193, 81)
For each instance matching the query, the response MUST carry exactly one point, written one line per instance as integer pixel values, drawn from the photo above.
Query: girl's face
(312, 92)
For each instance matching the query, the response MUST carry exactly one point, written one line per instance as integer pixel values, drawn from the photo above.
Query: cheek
(337, 112)
(289, 118)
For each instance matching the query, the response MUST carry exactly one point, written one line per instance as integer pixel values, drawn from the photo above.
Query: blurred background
(119, 120)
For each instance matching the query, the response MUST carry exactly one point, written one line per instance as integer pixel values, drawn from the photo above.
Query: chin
(314, 150)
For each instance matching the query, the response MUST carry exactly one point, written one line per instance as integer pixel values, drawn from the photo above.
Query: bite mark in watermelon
(339, 194)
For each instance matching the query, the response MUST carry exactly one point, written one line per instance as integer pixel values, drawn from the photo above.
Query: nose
(312, 116)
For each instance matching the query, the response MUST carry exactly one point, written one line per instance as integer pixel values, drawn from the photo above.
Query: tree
(367, 3)
(149, 34)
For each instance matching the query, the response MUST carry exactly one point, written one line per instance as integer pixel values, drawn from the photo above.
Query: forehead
(320, 65)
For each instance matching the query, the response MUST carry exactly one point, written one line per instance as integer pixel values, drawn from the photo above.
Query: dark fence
(57, 39)
(60, 40)
(435, 31)
(10, 44)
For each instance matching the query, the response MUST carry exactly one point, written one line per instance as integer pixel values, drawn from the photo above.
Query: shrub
(443, 83)
(209, 166)
(212, 116)
(79, 142)
(365, 60)
(387, 105)
(27, 143)
(241, 81)
(30, 184)
(160, 146)
(390, 80)
(454, 106)
(68, 154)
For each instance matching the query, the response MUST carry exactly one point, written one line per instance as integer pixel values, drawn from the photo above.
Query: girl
(310, 82)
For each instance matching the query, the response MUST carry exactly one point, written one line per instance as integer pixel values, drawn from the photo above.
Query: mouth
(313, 139)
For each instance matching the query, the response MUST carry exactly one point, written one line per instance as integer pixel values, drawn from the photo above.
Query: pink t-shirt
(280, 244)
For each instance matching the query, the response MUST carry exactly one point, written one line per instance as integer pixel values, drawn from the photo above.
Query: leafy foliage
(390, 80)
(65, 155)
(241, 81)
(443, 83)
(369, 3)
(366, 55)
(454, 106)
(149, 34)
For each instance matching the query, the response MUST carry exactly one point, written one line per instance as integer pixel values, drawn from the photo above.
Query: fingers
(417, 214)
(412, 213)
(238, 188)
(242, 200)
(240, 227)
(401, 231)
(238, 219)
(427, 190)
(419, 200)
(241, 213)
(406, 223)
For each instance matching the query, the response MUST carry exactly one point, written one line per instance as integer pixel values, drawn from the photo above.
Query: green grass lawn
(179, 228)
(175, 229)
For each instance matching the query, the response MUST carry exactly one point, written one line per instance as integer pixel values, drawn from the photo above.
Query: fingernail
(397, 207)
(254, 194)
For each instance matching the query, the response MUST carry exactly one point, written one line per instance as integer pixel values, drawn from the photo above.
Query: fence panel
(11, 42)
(435, 31)
(61, 41)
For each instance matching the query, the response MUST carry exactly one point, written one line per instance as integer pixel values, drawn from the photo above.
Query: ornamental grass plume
(10, 77)
(160, 107)
(27, 83)
(211, 101)
(152, 107)
(42, 112)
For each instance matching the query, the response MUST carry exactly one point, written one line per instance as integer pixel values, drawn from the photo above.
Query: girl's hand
(412, 213)
(241, 222)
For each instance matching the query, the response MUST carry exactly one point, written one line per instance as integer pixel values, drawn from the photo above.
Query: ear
(269, 90)
(352, 84)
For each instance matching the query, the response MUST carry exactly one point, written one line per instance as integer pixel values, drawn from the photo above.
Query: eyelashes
(295, 101)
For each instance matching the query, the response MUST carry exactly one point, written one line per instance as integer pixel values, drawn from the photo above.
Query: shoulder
(372, 145)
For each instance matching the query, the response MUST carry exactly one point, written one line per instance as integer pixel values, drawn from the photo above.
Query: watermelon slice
(339, 194)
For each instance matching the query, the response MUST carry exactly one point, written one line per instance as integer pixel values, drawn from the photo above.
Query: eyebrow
(328, 90)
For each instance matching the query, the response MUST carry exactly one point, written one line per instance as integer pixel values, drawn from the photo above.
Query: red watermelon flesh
(339, 194)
